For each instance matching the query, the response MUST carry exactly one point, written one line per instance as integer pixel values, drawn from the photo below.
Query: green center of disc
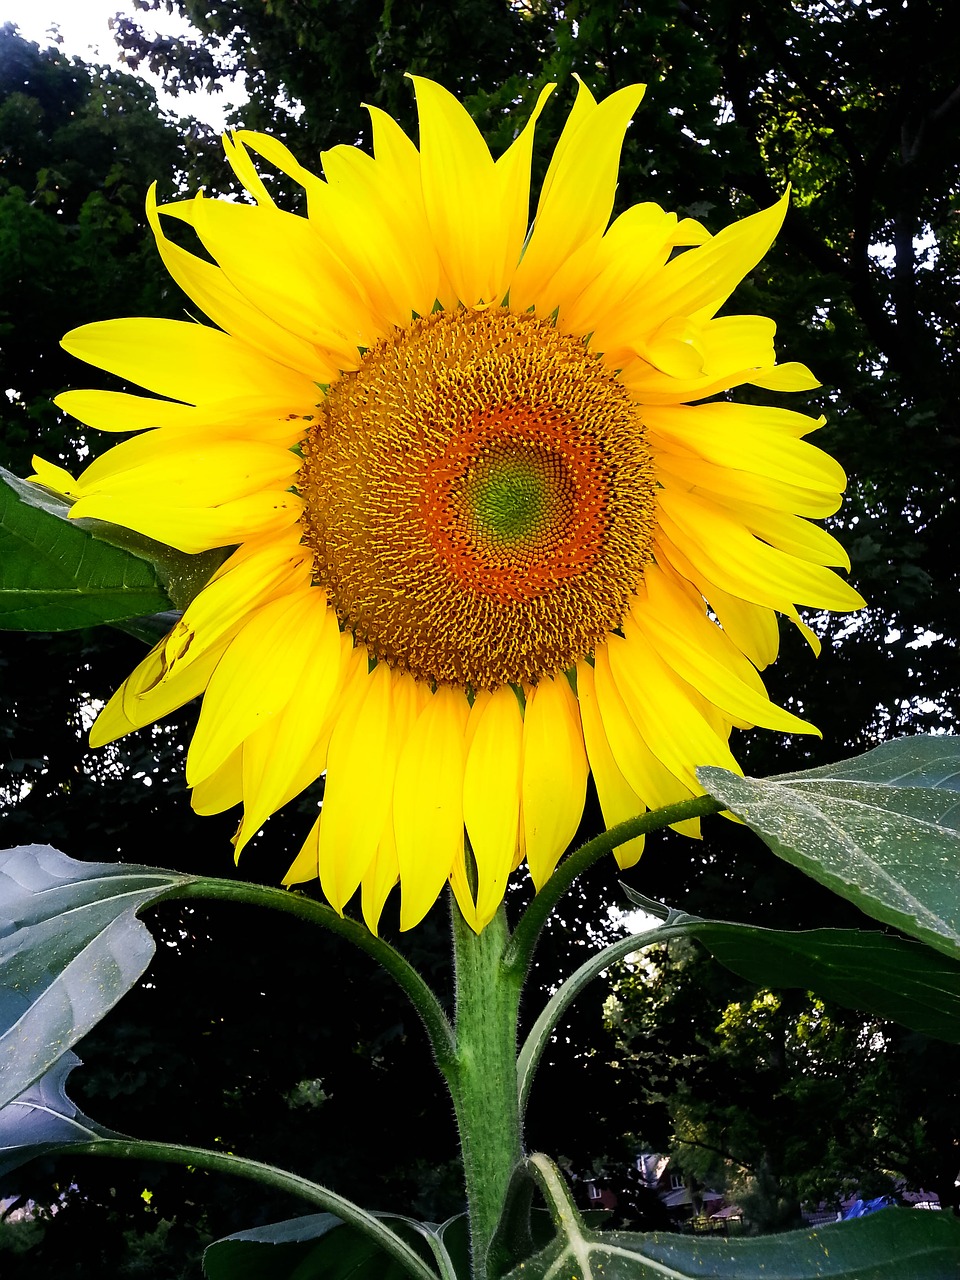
(509, 499)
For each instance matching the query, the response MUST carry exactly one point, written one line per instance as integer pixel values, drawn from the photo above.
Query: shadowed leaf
(70, 947)
(43, 1118)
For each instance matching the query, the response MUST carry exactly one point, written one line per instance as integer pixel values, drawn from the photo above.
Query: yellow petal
(257, 572)
(666, 710)
(55, 478)
(428, 802)
(184, 361)
(276, 154)
(752, 438)
(459, 193)
(699, 652)
(389, 250)
(223, 789)
(118, 411)
(644, 772)
(785, 377)
(409, 700)
(554, 774)
(226, 306)
(361, 764)
(149, 693)
(399, 176)
(737, 342)
(728, 554)
(189, 473)
(702, 278)
(652, 387)
(239, 160)
(305, 865)
(279, 759)
(793, 535)
(254, 680)
(194, 529)
(280, 262)
(637, 244)
(278, 420)
(618, 800)
(512, 175)
(491, 794)
(460, 884)
(736, 488)
(577, 196)
(380, 877)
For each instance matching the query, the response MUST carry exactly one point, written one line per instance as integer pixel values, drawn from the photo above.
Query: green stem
(403, 973)
(268, 1175)
(567, 992)
(519, 952)
(485, 1086)
(563, 1211)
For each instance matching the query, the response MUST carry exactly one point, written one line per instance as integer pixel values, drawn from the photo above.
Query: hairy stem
(519, 952)
(485, 1088)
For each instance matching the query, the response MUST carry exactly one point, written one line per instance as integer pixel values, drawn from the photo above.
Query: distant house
(698, 1208)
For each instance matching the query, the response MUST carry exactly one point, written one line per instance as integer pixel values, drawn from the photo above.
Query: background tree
(856, 107)
(777, 1098)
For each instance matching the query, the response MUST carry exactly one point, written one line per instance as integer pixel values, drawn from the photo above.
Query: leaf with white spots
(882, 830)
(888, 1245)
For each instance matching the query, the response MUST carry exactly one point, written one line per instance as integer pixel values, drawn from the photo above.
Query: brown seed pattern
(479, 498)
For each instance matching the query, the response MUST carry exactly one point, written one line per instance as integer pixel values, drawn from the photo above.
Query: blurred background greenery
(261, 1037)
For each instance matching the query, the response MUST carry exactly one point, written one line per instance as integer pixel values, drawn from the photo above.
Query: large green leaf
(70, 943)
(321, 1247)
(56, 576)
(881, 830)
(886, 976)
(70, 947)
(890, 977)
(43, 1118)
(890, 1245)
(893, 1244)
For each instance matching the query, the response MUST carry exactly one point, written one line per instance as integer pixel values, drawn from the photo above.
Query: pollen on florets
(479, 498)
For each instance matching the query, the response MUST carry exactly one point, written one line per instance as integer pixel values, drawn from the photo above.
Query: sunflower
(495, 524)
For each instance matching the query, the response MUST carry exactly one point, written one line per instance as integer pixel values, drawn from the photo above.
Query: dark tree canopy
(857, 107)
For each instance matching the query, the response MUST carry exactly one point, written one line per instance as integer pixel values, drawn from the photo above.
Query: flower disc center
(479, 499)
(509, 498)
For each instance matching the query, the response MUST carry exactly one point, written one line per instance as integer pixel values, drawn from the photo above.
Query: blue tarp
(860, 1208)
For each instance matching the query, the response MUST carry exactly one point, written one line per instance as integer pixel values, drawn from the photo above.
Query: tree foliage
(777, 1098)
(856, 106)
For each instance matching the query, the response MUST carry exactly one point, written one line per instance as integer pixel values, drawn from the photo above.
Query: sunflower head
(497, 521)
(479, 498)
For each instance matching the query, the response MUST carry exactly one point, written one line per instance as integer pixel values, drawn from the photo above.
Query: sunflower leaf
(70, 946)
(882, 830)
(322, 1247)
(55, 576)
(58, 574)
(43, 1118)
(890, 977)
(883, 1246)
